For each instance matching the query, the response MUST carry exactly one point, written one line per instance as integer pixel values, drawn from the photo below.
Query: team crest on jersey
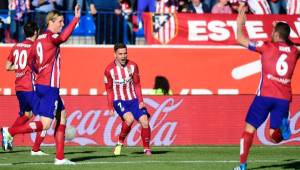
(55, 35)
(259, 43)
(165, 27)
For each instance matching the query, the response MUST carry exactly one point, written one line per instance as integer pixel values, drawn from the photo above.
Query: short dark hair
(119, 45)
(283, 29)
(29, 29)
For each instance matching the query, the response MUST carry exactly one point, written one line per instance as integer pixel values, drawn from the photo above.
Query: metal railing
(102, 28)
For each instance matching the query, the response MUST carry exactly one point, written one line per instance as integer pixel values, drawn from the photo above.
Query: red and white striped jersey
(278, 61)
(259, 7)
(46, 54)
(293, 7)
(122, 83)
(166, 6)
(19, 56)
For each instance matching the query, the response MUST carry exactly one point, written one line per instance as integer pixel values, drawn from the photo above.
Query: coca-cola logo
(261, 132)
(89, 124)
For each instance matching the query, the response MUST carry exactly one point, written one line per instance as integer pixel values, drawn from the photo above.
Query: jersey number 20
(20, 59)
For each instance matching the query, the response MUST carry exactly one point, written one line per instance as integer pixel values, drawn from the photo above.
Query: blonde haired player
(46, 55)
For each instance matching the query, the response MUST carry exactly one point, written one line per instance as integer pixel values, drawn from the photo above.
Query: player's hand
(111, 113)
(141, 105)
(241, 18)
(93, 9)
(77, 11)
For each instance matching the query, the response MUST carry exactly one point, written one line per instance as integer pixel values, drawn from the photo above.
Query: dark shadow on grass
(84, 158)
(153, 152)
(38, 163)
(17, 151)
(288, 165)
(80, 152)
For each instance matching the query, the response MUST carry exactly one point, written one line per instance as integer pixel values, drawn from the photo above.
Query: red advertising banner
(190, 70)
(207, 29)
(175, 120)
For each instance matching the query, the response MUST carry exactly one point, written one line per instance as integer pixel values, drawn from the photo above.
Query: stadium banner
(189, 69)
(175, 120)
(206, 29)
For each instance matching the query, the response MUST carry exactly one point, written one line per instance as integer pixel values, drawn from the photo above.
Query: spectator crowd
(109, 16)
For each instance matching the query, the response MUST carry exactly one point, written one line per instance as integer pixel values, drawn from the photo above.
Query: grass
(173, 158)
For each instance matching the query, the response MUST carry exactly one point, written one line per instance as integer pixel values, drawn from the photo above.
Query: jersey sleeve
(11, 55)
(63, 37)
(257, 46)
(108, 81)
(32, 59)
(137, 84)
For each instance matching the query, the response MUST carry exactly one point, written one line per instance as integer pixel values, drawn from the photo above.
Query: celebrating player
(278, 58)
(122, 83)
(46, 54)
(20, 61)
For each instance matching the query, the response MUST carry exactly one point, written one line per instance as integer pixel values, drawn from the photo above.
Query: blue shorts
(28, 101)
(262, 106)
(50, 101)
(124, 106)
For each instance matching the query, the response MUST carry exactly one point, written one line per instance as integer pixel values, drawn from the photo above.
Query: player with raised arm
(46, 54)
(20, 61)
(278, 59)
(122, 83)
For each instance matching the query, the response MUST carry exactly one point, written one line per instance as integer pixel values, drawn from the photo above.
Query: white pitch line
(142, 162)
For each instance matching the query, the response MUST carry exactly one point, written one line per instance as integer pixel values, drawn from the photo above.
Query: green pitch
(173, 158)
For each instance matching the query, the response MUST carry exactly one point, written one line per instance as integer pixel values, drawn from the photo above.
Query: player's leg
(145, 133)
(257, 114)
(59, 135)
(126, 127)
(24, 109)
(29, 127)
(24, 115)
(122, 108)
(279, 123)
(22, 119)
(36, 148)
(142, 116)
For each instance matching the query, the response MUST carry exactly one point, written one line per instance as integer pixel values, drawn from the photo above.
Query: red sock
(38, 140)
(276, 136)
(29, 127)
(124, 132)
(21, 120)
(60, 141)
(246, 143)
(146, 135)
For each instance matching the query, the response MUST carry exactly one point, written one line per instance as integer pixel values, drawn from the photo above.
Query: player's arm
(32, 59)
(9, 66)
(63, 37)
(108, 81)
(240, 21)
(137, 86)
